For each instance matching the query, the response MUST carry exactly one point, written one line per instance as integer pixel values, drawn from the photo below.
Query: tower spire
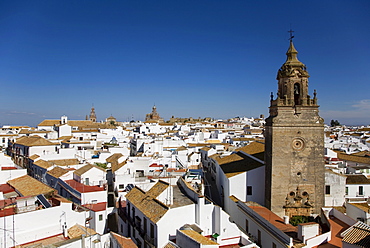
(292, 56)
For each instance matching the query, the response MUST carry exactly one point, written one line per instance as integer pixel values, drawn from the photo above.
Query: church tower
(294, 144)
(92, 116)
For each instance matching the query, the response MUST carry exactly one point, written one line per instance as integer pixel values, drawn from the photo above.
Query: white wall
(357, 214)
(7, 175)
(41, 150)
(65, 130)
(353, 190)
(337, 185)
(172, 220)
(95, 177)
(34, 226)
(98, 196)
(256, 179)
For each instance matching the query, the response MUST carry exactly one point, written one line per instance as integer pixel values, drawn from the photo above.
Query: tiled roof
(237, 163)
(65, 137)
(358, 235)
(257, 149)
(5, 188)
(43, 164)
(198, 237)
(117, 166)
(65, 162)
(363, 206)
(362, 157)
(57, 172)
(146, 202)
(273, 219)
(181, 148)
(96, 207)
(34, 156)
(170, 245)
(123, 241)
(77, 230)
(82, 188)
(243, 139)
(86, 168)
(28, 186)
(357, 179)
(114, 157)
(49, 123)
(34, 141)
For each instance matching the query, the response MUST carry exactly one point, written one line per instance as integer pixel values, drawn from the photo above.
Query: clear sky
(190, 58)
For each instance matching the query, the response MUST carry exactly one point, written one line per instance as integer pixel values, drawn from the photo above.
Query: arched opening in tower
(297, 94)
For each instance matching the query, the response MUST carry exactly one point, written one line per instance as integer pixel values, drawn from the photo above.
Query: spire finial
(291, 35)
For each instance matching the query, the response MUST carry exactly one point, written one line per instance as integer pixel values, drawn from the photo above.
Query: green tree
(334, 123)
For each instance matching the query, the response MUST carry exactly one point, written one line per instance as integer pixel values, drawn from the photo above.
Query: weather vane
(291, 34)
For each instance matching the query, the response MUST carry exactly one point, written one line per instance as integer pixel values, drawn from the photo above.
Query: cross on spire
(291, 34)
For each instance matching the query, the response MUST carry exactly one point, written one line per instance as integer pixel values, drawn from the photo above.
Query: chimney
(286, 219)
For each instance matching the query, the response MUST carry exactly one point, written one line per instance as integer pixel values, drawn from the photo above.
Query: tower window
(297, 93)
(249, 190)
(327, 189)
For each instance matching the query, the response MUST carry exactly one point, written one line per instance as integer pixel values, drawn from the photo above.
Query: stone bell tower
(294, 144)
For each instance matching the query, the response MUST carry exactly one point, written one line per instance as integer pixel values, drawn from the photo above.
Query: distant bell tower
(92, 116)
(294, 144)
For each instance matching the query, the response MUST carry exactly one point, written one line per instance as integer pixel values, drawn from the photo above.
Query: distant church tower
(294, 144)
(92, 116)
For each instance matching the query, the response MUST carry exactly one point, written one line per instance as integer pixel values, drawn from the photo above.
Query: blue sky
(190, 58)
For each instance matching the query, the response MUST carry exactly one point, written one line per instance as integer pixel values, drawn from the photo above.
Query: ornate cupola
(292, 84)
(294, 143)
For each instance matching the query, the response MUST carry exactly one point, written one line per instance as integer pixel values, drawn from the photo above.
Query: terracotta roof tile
(198, 237)
(358, 235)
(146, 202)
(28, 186)
(357, 179)
(43, 164)
(77, 230)
(57, 172)
(65, 162)
(123, 241)
(34, 141)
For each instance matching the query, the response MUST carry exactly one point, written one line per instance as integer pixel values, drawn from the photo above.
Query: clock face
(298, 144)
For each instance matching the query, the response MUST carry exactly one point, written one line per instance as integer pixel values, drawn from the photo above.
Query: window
(100, 217)
(273, 245)
(121, 186)
(249, 190)
(151, 230)
(259, 238)
(144, 225)
(346, 190)
(327, 189)
(360, 190)
(246, 226)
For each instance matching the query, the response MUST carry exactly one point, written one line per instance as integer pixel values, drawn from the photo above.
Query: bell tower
(92, 115)
(294, 144)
